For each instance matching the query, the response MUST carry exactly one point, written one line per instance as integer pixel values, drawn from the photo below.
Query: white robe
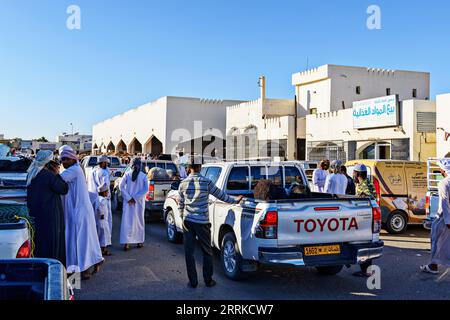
(103, 231)
(319, 177)
(440, 233)
(132, 229)
(82, 245)
(336, 183)
(96, 178)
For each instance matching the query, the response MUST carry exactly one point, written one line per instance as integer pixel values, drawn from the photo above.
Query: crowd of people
(332, 177)
(72, 213)
(73, 216)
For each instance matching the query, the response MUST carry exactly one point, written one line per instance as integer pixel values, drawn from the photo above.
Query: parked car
(34, 279)
(13, 178)
(434, 176)
(115, 167)
(15, 241)
(401, 188)
(324, 231)
(158, 189)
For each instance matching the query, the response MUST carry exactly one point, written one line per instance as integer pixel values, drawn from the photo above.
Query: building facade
(79, 142)
(167, 125)
(443, 125)
(329, 98)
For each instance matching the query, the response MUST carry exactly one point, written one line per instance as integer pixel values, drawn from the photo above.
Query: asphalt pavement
(157, 272)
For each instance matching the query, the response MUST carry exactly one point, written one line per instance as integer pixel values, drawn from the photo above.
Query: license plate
(322, 250)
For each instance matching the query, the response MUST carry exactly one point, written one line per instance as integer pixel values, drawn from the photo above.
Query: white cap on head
(103, 158)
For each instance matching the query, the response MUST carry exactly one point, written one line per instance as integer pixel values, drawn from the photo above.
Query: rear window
(115, 162)
(258, 174)
(150, 165)
(161, 165)
(292, 175)
(275, 174)
(239, 179)
(171, 166)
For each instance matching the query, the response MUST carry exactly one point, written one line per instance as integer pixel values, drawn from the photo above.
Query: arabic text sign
(375, 113)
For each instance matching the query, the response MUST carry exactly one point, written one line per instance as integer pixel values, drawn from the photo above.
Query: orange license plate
(322, 250)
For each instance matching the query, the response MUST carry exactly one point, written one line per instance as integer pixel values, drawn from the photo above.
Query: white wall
(443, 121)
(338, 126)
(334, 84)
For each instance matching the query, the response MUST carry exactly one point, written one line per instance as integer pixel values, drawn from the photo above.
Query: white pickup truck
(116, 169)
(15, 241)
(310, 229)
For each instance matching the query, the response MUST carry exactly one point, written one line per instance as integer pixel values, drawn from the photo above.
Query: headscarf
(136, 164)
(42, 158)
(444, 164)
(67, 152)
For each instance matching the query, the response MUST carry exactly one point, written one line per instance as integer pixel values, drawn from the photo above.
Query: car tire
(231, 258)
(172, 233)
(397, 222)
(329, 270)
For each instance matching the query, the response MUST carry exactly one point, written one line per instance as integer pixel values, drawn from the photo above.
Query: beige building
(331, 96)
(443, 125)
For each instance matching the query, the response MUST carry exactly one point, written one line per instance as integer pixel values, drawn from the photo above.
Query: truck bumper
(350, 254)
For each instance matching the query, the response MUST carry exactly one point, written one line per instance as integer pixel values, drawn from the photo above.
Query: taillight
(268, 227)
(24, 251)
(427, 205)
(376, 220)
(151, 192)
(376, 184)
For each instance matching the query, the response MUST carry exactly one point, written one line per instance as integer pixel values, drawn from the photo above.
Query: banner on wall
(376, 113)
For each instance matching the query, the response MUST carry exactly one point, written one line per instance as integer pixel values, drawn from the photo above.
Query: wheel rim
(397, 222)
(170, 226)
(229, 256)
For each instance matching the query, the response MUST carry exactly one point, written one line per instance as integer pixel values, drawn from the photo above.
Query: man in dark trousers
(44, 190)
(194, 194)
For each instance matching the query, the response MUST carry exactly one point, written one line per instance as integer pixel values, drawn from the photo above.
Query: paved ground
(158, 272)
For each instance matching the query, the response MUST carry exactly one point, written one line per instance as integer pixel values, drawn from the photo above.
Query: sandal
(426, 269)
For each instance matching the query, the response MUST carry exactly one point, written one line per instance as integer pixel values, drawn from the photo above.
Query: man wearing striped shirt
(194, 195)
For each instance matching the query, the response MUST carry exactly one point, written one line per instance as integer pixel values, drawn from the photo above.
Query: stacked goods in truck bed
(13, 212)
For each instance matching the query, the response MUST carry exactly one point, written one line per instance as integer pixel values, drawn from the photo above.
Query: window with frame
(358, 90)
(292, 175)
(258, 174)
(239, 179)
(213, 174)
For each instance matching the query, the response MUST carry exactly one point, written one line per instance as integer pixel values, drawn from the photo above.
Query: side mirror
(175, 185)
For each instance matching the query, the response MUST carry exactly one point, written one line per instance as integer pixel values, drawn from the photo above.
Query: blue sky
(131, 52)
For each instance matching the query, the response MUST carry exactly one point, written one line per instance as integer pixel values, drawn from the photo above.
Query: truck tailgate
(160, 189)
(322, 222)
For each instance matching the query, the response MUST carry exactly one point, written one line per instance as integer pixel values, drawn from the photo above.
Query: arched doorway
(95, 149)
(250, 142)
(121, 147)
(380, 150)
(135, 147)
(153, 146)
(110, 148)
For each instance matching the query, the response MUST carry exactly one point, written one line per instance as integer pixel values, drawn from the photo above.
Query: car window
(258, 174)
(92, 162)
(213, 174)
(239, 179)
(150, 165)
(171, 166)
(275, 174)
(114, 162)
(292, 175)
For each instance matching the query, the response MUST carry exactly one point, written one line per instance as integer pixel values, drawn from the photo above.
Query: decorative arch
(121, 147)
(135, 147)
(111, 147)
(153, 146)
